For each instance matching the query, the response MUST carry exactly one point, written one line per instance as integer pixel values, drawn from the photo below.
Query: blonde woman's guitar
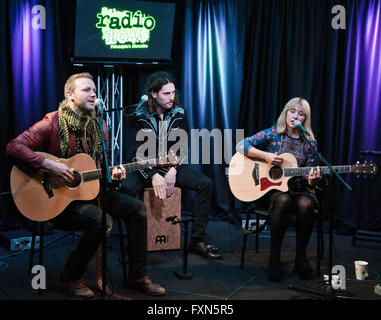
(40, 196)
(250, 179)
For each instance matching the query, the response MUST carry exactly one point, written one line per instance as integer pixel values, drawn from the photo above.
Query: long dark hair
(154, 83)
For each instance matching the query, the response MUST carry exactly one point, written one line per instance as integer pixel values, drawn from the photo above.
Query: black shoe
(207, 251)
(274, 272)
(302, 266)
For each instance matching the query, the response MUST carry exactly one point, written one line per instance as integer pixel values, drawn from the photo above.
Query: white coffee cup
(361, 268)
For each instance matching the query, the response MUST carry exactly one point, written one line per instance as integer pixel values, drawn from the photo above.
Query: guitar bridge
(256, 174)
(46, 184)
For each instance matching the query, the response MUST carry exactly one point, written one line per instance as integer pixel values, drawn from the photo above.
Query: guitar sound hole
(276, 173)
(77, 180)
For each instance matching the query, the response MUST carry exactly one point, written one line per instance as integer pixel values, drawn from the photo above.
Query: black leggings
(284, 205)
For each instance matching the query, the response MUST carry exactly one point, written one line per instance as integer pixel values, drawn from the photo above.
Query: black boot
(274, 272)
(302, 266)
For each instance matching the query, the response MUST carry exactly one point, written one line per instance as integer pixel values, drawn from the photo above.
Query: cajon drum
(161, 234)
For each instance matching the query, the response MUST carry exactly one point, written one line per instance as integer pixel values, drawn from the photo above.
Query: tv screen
(123, 31)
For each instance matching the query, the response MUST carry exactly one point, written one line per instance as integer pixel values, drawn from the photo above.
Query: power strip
(23, 244)
(16, 240)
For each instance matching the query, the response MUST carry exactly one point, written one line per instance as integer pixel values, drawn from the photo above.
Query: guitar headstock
(167, 161)
(364, 168)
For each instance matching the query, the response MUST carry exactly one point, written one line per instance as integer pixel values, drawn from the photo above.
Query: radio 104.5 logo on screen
(125, 29)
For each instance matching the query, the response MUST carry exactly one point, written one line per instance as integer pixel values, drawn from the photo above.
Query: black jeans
(186, 178)
(87, 217)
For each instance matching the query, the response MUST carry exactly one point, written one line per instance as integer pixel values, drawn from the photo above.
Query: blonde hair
(281, 125)
(69, 85)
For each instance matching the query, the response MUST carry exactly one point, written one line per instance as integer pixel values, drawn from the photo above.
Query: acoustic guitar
(41, 196)
(250, 178)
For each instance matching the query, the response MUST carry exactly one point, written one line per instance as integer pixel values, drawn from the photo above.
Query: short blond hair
(69, 85)
(306, 109)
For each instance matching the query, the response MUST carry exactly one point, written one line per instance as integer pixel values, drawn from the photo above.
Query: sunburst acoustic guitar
(41, 196)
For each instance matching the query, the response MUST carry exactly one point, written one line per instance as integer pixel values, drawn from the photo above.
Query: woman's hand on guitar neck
(58, 169)
(314, 176)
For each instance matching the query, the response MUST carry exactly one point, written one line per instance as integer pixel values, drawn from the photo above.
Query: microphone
(143, 99)
(99, 105)
(299, 125)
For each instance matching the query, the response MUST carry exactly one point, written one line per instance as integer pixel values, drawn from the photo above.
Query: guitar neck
(97, 174)
(133, 166)
(304, 171)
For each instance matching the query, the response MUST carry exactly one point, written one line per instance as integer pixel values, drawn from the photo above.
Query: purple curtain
(361, 111)
(35, 62)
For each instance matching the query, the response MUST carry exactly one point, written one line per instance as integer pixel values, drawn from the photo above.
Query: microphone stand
(330, 292)
(106, 178)
(184, 275)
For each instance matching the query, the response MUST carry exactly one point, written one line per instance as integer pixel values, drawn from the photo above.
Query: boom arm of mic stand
(326, 162)
(121, 108)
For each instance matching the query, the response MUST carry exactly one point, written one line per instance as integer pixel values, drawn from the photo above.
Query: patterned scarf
(82, 127)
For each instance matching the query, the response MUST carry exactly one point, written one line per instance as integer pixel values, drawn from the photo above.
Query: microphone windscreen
(99, 103)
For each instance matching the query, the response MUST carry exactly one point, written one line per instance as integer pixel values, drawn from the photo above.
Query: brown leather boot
(76, 288)
(145, 285)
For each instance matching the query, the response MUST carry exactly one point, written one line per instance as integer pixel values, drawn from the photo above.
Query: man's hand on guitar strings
(58, 169)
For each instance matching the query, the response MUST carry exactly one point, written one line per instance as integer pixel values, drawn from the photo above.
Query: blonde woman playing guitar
(268, 145)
